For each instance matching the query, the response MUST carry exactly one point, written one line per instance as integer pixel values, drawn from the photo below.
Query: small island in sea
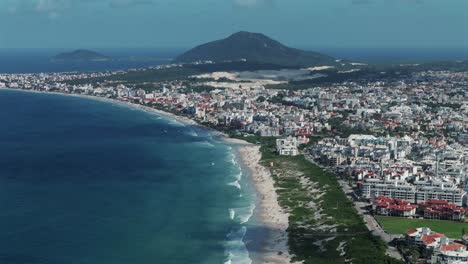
(80, 55)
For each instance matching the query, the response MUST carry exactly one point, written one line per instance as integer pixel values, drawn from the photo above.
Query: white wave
(176, 123)
(235, 184)
(204, 144)
(243, 214)
(232, 214)
(235, 249)
(233, 159)
(192, 133)
(238, 176)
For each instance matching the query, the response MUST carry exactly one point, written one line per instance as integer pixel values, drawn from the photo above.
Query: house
(449, 253)
(441, 249)
(442, 210)
(423, 236)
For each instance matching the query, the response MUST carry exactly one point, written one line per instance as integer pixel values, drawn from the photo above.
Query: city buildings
(287, 146)
(438, 249)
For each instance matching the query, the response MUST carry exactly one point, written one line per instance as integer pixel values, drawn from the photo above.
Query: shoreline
(274, 248)
(274, 219)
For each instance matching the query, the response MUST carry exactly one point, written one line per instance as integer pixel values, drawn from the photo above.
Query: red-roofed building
(438, 248)
(432, 240)
(393, 207)
(452, 247)
(442, 210)
(450, 253)
(423, 236)
(432, 209)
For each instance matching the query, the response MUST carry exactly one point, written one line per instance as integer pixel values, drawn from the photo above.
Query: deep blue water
(37, 60)
(88, 182)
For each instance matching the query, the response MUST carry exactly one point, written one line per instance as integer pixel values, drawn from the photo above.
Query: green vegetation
(321, 216)
(358, 75)
(370, 73)
(181, 73)
(143, 76)
(254, 47)
(401, 225)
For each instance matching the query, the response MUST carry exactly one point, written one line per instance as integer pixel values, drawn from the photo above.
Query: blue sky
(184, 23)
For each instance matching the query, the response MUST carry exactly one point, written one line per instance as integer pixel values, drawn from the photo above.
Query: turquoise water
(89, 182)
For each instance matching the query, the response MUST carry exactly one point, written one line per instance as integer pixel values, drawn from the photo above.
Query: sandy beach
(274, 219)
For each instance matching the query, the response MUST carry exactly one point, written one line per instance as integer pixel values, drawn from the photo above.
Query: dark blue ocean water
(38, 60)
(88, 182)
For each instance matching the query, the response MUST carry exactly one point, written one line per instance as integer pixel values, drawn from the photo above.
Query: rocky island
(81, 56)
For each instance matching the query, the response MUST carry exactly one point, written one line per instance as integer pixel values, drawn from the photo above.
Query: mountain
(254, 47)
(80, 55)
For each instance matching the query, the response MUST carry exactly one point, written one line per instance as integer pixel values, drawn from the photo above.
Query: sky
(185, 23)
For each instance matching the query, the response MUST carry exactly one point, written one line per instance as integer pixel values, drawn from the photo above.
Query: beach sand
(273, 218)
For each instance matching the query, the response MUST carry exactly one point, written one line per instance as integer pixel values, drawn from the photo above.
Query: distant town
(399, 147)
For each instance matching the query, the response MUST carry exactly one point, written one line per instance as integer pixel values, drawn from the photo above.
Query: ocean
(38, 60)
(90, 182)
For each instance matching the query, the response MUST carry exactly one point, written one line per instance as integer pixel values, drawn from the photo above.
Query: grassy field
(401, 225)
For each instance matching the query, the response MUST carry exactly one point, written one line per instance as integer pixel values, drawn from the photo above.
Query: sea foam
(205, 144)
(235, 248)
(232, 214)
(236, 251)
(236, 184)
(243, 214)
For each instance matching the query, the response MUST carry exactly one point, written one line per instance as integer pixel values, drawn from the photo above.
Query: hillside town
(401, 144)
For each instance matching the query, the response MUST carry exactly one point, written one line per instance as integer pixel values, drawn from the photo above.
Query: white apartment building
(451, 195)
(418, 193)
(287, 146)
(373, 188)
